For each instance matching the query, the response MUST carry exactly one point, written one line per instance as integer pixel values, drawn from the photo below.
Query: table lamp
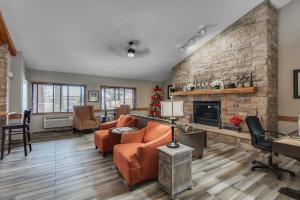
(172, 110)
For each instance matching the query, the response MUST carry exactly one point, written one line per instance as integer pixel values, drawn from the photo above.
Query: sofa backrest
(83, 112)
(142, 120)
(155, 130)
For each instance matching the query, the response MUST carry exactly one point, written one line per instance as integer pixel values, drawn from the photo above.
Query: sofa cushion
(154, 131)
(123, 119)
(87, 124)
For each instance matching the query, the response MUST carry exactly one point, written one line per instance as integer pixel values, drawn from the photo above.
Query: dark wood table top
(288, 145)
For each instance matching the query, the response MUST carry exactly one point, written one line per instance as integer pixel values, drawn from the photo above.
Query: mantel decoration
(297, 84)
(208, 82)
(235, 122)
(156, 98)
(93, 96)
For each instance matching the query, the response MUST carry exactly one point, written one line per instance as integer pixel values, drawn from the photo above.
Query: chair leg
(29, 139)
(24, 141)
(292, 174)
(9, 141)
(272, 167)
(2, 143)
(131, 187)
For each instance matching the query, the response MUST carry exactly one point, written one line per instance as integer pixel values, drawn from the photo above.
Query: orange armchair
(136, 156)
(105, 139)
(84, 118)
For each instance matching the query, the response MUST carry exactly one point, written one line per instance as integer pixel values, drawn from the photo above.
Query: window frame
(53, 84)
(118, 87)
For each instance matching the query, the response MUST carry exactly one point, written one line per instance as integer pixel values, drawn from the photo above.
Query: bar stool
(13, 128)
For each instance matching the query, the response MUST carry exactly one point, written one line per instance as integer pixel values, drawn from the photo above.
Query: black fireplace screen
(207, 112)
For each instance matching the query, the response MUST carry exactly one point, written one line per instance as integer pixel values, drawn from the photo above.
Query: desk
(289, 146)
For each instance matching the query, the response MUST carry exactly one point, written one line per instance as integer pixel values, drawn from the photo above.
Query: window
(113, 97)
(53, 97)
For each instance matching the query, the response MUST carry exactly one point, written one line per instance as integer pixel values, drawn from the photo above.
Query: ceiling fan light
(131, 53)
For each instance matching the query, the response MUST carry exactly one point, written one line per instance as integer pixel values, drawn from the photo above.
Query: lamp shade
(172, 108)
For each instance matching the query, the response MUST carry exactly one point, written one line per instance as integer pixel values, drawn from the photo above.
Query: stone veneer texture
(3, 79)
(250, 44)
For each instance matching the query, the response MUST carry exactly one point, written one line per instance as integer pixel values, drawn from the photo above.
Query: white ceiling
(81, 36)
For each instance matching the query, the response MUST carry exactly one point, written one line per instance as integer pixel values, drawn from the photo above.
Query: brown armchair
(84, 118)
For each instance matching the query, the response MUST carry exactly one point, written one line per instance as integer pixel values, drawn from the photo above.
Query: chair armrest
(131, 123)
(273, 134)
(93, 117)
(108, 125)
(147, 149)
(77, 123)
(133, 137)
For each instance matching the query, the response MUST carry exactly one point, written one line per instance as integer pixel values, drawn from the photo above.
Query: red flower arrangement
(236, 120)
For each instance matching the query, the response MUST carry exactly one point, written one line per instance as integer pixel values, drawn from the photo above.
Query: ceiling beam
(5, 37)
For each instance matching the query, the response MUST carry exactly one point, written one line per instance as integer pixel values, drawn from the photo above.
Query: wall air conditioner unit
(58, 121)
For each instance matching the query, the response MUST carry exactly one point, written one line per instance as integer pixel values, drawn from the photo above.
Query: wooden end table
(175, 169)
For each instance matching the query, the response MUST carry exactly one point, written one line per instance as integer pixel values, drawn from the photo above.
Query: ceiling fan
(131, 49)
(136, 49)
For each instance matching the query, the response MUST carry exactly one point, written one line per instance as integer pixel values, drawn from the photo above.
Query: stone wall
(3, 80)
(248, 45)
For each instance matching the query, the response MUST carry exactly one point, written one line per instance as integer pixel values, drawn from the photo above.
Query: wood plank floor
(65, 166)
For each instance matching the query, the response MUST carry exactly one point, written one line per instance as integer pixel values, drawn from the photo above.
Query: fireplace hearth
(207, 112)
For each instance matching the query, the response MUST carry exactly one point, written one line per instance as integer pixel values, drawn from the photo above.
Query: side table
(175, 169)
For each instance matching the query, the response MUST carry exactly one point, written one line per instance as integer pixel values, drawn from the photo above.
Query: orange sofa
(104, 139)
(136, 157)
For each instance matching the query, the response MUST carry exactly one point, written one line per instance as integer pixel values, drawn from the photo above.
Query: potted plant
(235, 122)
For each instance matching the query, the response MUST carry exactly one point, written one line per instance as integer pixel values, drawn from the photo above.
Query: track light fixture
(200, 33)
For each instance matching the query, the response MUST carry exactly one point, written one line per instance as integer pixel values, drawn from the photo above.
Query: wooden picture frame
(93, 96)
(169, 91)
(296, 74)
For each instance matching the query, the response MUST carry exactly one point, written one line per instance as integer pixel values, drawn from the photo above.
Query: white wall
(15, 92)
(143, 88)
(289, 59)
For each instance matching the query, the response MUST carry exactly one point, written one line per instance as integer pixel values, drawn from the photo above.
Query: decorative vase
(232, 127)
(251, 80)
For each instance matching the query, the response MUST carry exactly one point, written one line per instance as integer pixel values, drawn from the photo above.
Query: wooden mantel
(243, 90)
(5, 37)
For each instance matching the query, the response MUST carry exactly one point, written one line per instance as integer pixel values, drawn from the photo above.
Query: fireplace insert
(207, 112)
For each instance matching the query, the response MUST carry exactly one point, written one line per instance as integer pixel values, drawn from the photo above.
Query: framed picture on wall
(93, 96)
(297, 84)
(169, 91)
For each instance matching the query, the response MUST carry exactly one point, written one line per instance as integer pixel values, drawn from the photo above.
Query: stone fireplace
(3, 81)
(248, 45)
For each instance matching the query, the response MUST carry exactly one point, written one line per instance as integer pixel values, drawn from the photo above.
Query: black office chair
(258, 141)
